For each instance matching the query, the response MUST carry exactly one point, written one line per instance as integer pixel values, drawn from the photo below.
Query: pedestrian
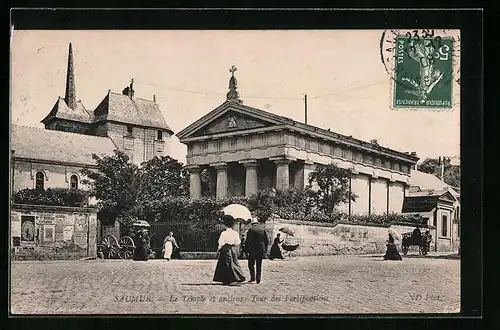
(242, 247)
(168, 246)
(141, 252)
(392, 252)
(256, 248)
(228, 269)
(275, 252)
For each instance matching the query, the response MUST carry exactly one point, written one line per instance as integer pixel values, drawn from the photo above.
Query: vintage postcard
(235, 172)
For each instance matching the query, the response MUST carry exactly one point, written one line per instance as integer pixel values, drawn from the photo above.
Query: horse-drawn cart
(112, 248)
(411, 239)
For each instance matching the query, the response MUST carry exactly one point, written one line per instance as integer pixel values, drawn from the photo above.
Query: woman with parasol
(228, 269)
(392, 252)
(275, 252)
(141, 252)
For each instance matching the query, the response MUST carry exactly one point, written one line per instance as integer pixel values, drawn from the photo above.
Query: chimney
(154, 98)
(132, 88)
(70, 96)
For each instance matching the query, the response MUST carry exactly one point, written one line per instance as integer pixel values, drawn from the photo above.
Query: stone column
(194, 182)
(222, 187)
(308, 168)
(282, 173)
(251, 182)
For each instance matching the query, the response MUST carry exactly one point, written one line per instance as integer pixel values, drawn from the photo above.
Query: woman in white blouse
(228, 269)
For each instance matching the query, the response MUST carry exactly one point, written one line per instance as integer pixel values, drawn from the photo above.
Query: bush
(52, 197)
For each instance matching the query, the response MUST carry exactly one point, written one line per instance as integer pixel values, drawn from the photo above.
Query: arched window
(39, 182)
(73, 182)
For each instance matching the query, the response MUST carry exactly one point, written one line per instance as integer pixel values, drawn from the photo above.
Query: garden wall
(53, 232)
(315, 238)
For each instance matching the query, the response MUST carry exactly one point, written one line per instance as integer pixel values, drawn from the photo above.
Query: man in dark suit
(256, 244)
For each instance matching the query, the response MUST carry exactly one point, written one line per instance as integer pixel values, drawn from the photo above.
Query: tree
(433, 166)
(114, 184)
(262, 205)
(159, 178)
(333, 184)
(163, 176)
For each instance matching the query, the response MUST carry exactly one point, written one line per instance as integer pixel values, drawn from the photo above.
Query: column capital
(282, 160)
(193, 168)
(249, 162)
(219, 166)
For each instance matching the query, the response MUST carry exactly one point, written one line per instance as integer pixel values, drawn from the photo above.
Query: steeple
(233, 95)
(70, 96)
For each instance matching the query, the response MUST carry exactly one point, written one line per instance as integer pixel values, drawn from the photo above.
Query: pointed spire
(233, 95)
(70, 96)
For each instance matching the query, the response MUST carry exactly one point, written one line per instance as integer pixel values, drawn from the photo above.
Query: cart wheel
(109, 247)
(404, 249)
(127, 247)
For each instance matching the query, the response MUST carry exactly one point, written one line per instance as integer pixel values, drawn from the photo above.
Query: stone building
(53, 157)
(439, 203)
(244, 149)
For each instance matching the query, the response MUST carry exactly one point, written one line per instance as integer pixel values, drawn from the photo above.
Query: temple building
(53, 157)
(245, 149)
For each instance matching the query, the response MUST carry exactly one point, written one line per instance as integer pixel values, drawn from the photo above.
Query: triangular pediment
(231, 117)
(448, 197)
(229, 122)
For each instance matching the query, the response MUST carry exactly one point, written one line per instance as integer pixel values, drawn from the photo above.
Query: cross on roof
(232, 69)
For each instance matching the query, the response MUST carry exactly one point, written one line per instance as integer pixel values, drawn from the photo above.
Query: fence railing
(191, 237)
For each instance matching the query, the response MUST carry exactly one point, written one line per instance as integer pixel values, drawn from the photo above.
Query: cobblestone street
(336, 284)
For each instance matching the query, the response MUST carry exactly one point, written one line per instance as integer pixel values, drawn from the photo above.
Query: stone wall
(56, 176)
(329, 239)
(141, 146)
(53, 232)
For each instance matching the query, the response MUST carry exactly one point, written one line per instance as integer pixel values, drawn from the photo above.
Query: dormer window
(159, 135)
(129, 130)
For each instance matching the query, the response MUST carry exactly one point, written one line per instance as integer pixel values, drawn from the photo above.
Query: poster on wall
(15, 228)
(28, 229)
(48, 232)
(68, 233)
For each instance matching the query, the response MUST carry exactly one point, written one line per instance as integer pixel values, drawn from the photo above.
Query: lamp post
(272, 195)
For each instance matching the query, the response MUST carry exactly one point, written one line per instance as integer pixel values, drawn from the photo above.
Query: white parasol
(394, 234)
(238, 212)
(141, 223)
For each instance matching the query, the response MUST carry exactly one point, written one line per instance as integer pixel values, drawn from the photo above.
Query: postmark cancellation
(424, 68)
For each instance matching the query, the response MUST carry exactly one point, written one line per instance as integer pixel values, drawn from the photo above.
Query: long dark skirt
(228, 269)
(141, 252)
(275, 252)
(392, 253)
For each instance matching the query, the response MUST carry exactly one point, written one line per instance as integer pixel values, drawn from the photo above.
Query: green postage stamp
(423, 65)
(423, 72)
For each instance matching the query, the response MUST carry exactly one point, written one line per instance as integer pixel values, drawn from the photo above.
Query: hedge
(52, 197)
(207, 210)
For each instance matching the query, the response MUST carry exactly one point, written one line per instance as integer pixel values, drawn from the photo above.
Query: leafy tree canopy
(115, 184)
(333, 186)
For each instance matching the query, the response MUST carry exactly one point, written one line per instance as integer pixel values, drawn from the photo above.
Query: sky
(348, 88)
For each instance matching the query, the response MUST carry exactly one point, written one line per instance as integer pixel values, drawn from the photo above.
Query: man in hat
(256, 244)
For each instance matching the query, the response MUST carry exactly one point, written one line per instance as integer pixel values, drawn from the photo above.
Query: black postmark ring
(388, 49)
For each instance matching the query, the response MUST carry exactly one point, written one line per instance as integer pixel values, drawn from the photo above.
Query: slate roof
(281, 120)
(49, 145)
(136, 111)
(61, 110)
(429, 181)
(425, 200)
